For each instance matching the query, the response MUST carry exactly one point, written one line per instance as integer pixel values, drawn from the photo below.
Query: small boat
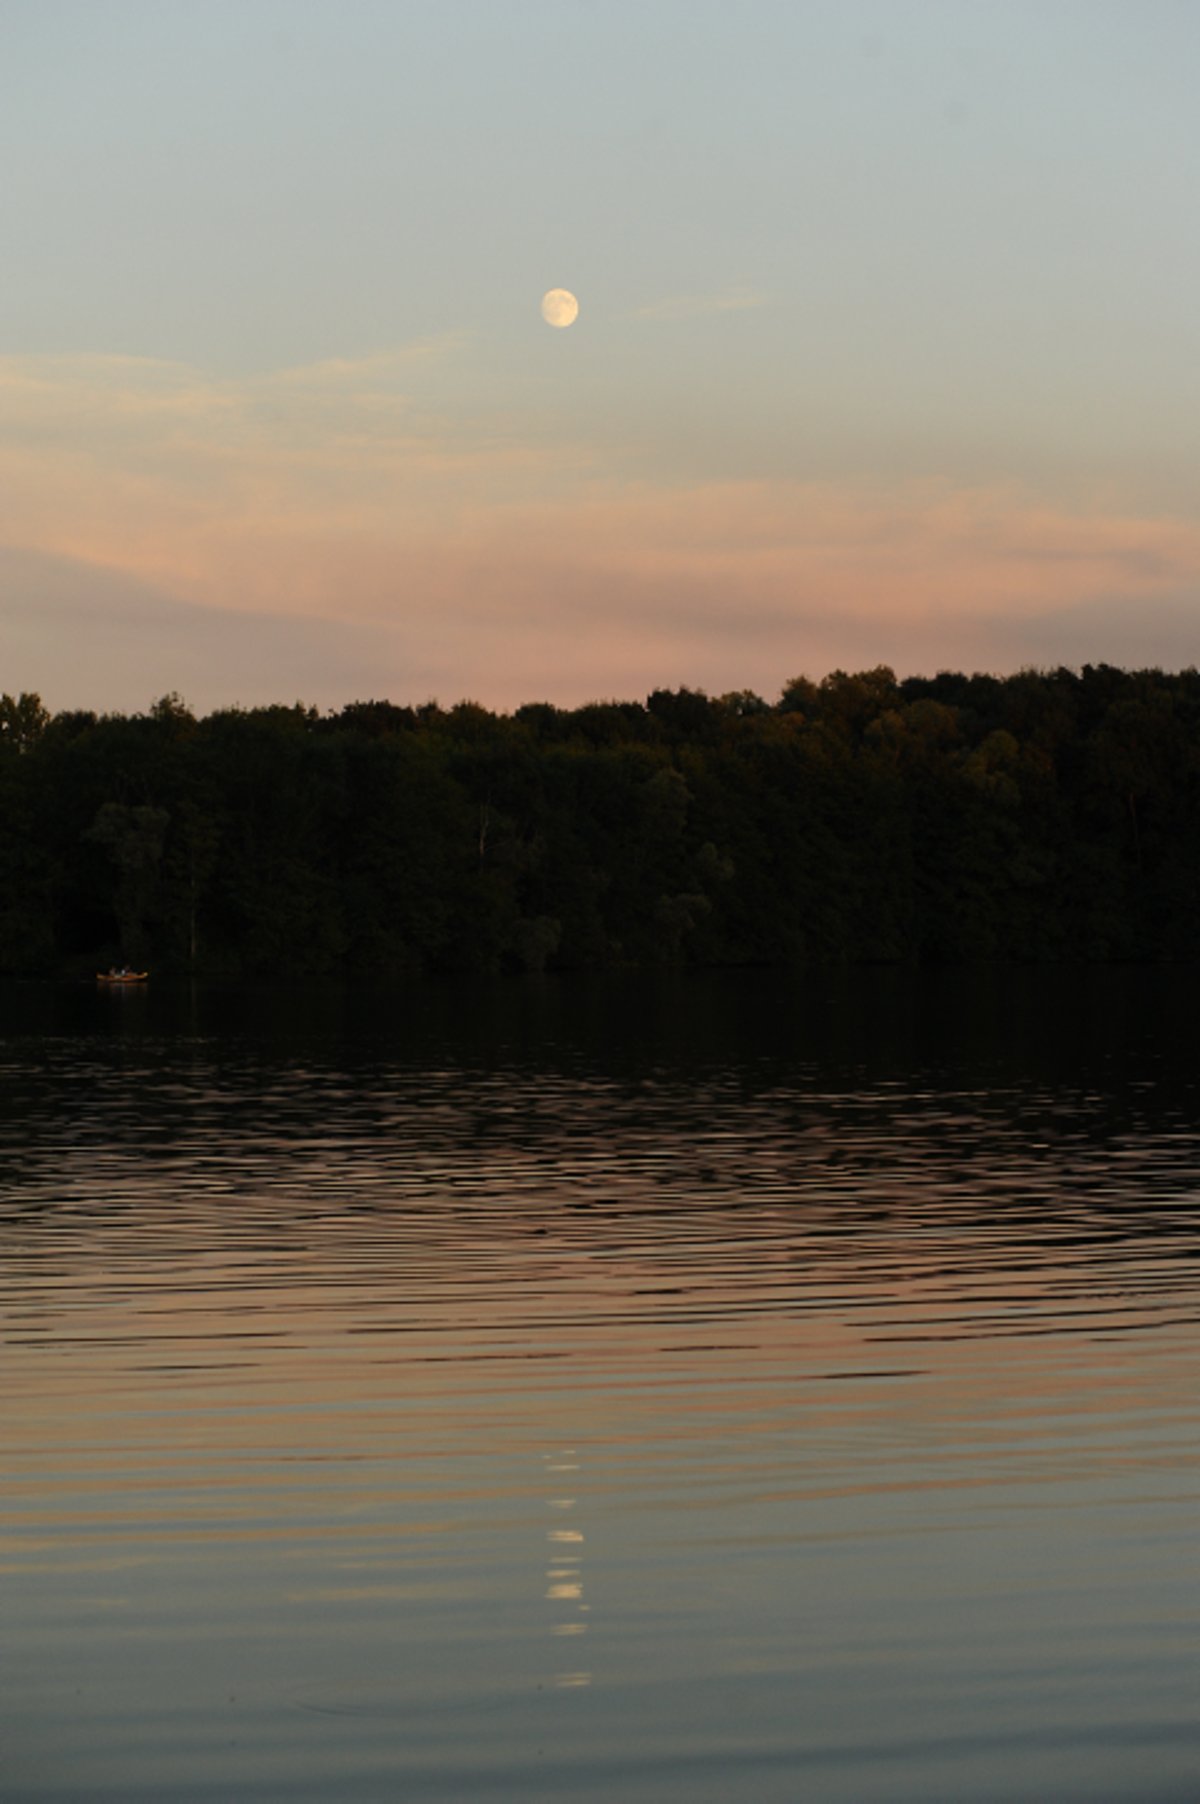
(122, 976)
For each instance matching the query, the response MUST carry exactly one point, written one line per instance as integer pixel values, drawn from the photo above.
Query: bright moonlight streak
(559, 307)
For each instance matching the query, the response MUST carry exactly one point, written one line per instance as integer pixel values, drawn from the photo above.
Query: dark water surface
(711, 1389)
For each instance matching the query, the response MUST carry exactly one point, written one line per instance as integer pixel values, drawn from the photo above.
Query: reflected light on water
(857, 1394)
(566, 1578)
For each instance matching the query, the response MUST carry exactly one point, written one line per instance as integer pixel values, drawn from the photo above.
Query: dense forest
(1051, 815)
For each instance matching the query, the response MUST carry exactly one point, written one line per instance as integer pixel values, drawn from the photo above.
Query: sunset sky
(888, 346)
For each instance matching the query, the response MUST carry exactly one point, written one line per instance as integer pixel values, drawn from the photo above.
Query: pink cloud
(467, 557)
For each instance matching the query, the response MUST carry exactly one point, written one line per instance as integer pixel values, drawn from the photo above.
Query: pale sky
(888, 345)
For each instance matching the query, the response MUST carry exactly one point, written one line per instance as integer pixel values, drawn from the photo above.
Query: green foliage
(1048, 815)
(22, 722)
(133, 839)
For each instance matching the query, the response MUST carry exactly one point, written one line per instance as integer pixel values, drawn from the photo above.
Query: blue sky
(887, 345)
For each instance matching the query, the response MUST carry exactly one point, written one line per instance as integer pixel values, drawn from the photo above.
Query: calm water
(716, 1389)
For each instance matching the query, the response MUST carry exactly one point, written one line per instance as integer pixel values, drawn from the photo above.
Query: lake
(707, 1388)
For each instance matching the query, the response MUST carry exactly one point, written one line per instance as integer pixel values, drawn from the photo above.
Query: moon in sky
(559, 307)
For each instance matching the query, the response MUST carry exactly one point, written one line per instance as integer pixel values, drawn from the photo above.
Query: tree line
(1046, 816)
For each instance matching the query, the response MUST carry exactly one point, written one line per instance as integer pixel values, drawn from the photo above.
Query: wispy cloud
(381, 368)
(692, 306)
(91, 393)
(458, 555)
(150, 466)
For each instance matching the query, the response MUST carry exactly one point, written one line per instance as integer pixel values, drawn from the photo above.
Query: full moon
(559, 307)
